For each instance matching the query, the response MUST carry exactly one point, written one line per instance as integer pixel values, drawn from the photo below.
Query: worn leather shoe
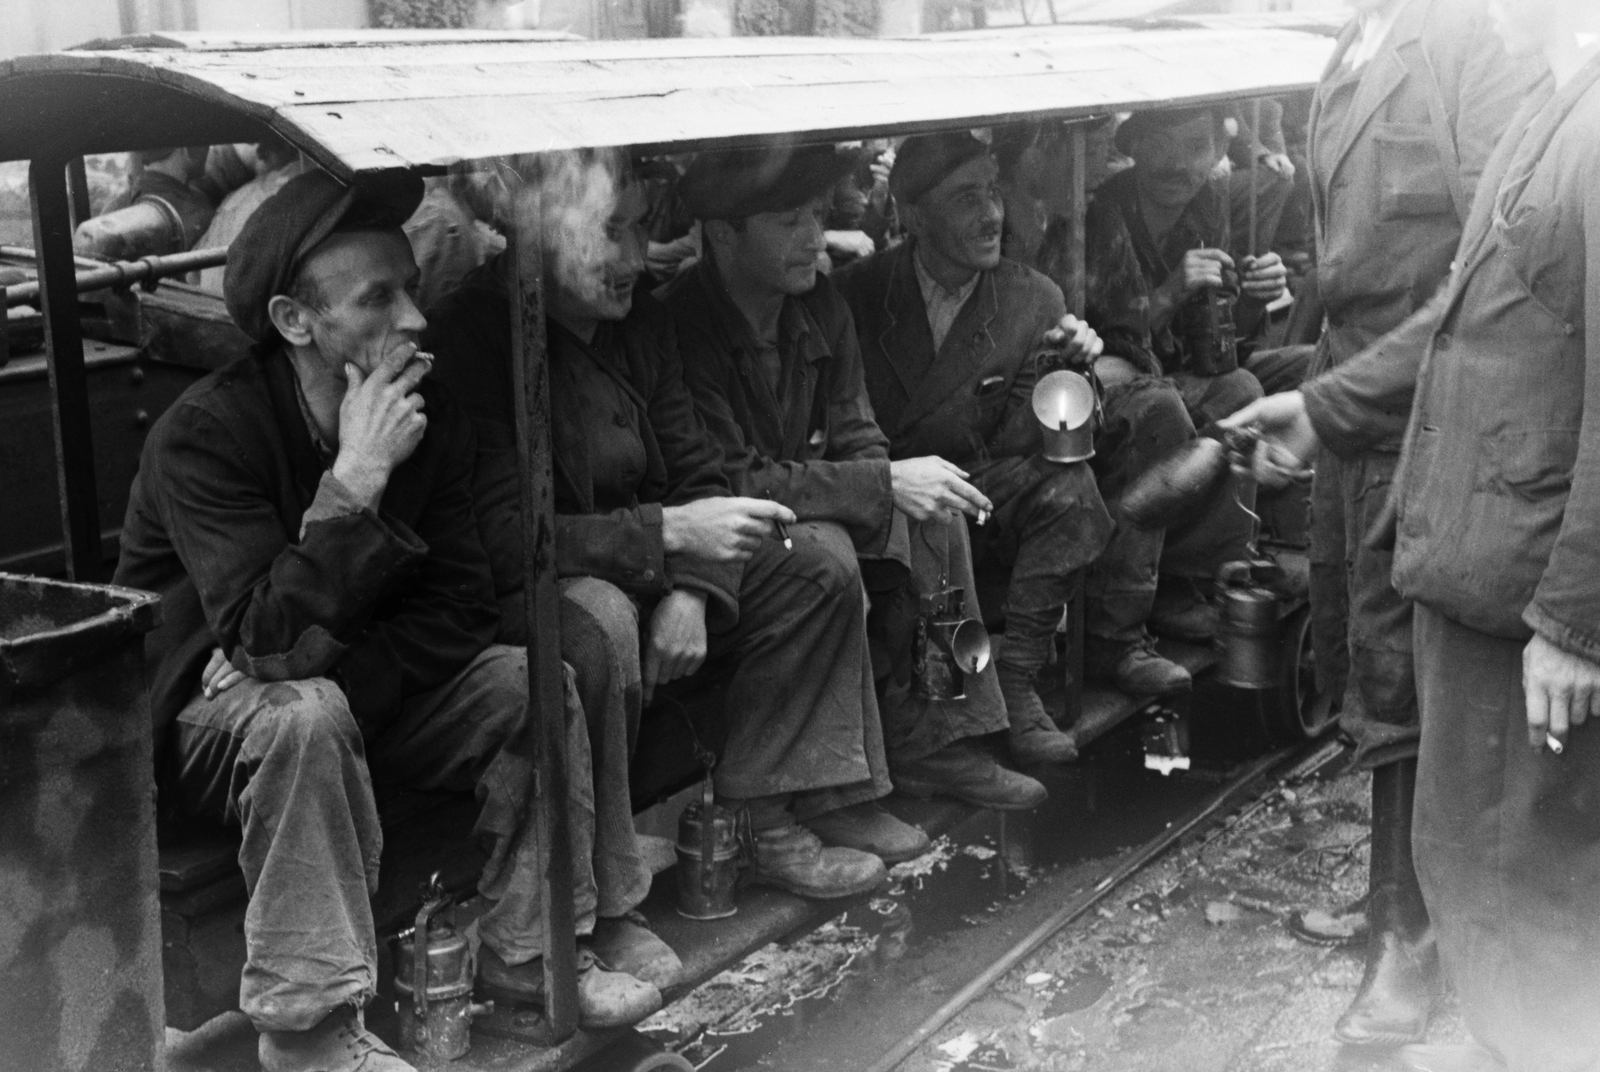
(605, 998)
(792, 858)
(968, 773)
(1134, 666)
(1033, 735)
(869, 828)
(1397, 993)
(1182, 612)
(1454, 1057)
(627, 944)
(340, 1043)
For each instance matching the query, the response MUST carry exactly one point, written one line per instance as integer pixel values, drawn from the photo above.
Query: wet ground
(1187, 966)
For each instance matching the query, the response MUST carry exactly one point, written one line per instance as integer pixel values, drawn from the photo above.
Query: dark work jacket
(470, 335)
(229, 522)
(1394, 167)
(823, 456)
(1498, 491)
(974, 403)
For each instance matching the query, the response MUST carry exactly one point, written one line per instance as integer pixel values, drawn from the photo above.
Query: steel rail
(145, 270)
(1312, 755)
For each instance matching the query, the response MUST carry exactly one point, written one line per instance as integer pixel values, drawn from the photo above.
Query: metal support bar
(1077, 209)
(78, 184)
(530, 375)
(69, 384)
(146, 271)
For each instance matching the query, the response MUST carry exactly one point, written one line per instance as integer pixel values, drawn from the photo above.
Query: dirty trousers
(1361, 627)
(1048, 524)
(801, 713)
(917, 726)
(1145, 420)
(1507, 844)
(286, 763)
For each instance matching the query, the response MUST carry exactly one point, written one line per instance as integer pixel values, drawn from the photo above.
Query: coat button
(1442, 341)
(649, 574)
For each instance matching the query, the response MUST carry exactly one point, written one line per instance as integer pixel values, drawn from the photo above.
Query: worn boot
(965, 771)
(1183, 611)
(1133, 666)
(1401, 981)
(793, 858)
(1037, 592)
(869, 828)
(605, 998)
(340, 1043)
(627, 944)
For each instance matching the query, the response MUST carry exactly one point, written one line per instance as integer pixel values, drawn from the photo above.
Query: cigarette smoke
(578, 194)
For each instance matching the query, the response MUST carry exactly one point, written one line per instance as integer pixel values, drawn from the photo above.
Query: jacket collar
(1382, 75)
(283, 393)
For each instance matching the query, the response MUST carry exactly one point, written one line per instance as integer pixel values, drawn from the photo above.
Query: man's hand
(1077, 342)
(931, 487)
(721, 530)
(1264, 278)
(1201, 268)
(1561, 689)
(1287, 440)
(380, 421)
(677, 644)
(850, 243)
(219, 675)
(1279, 164)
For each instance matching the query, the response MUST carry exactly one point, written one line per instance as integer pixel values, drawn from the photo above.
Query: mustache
(1172, 176)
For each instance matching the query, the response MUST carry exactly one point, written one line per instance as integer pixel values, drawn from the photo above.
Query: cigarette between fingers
(1552, 742)
(983, 515)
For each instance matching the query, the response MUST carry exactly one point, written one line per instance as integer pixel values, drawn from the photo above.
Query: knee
(309, 716)
(824, 554)
(1158, 420)
(599, 626)
(1232, 392)
(1068, 495)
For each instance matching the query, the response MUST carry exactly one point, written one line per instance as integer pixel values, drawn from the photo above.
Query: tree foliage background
(422, 14)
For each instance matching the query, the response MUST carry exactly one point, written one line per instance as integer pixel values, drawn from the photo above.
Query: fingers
(214, 668)
(1537, 702)
(950, 467)
(1560, 713)
(411, 374)
(1248, 417)
(768, 510)
(959, 495)
(353, 378)
(392, 362)
(650, 673)
(228, 680)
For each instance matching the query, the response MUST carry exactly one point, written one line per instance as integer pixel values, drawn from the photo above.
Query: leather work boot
(1182, 612)
(1034, 736)
(1401, 981)
(869, 828)
(627, 944)
(1450, 1057)
(605, 998)
(1039, 588)
(966, 772)
(340, 1043)
(1134, 666)
(792, 858)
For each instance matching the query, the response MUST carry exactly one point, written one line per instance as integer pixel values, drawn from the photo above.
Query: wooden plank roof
(364, 102)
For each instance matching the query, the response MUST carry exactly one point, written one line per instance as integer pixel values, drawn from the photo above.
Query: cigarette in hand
(1552, 742)
(983, 515)
(783, 534)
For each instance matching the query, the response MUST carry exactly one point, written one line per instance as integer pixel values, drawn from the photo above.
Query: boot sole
(924, 790)
(515, 997)
(811, 895)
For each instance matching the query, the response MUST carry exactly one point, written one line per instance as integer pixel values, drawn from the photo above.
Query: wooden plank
(69, 382)
(541, 606)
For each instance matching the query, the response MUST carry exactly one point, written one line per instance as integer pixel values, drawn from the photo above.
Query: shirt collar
(933, 290)
(325, 452)
(1375, 28)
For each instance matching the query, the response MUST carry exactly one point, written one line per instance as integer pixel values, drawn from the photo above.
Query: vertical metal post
(530, 374)
(1254, 140)
(69, 382)
(78, 186)
(1077, 208)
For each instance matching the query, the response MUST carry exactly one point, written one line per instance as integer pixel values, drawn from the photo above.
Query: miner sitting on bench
(770, 354)
(952, 336)
(306, 516)
(1156, 237)
(648, 533)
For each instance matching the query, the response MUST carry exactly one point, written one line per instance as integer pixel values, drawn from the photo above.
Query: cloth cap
(923, 161)
(1139, 123)
(747, 182)
(279, 235)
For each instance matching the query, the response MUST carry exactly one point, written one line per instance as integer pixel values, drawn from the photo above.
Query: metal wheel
(1295, 711)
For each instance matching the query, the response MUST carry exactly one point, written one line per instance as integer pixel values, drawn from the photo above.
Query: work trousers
(1507, 844)
(801, 712)
(1361, 627)
(285, 762)
(918, 726)
(1048, 524)
(1146, 419)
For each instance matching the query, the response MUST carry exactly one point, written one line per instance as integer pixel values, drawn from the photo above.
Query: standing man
(648, 533)
(951, 338)
(1497, 540)
(771, 357)
(1412, 103)
(306, 516)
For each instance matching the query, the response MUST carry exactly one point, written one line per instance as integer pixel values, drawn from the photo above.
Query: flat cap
(1140, 123)
(278, 236)
(747, 182)
(923, 161)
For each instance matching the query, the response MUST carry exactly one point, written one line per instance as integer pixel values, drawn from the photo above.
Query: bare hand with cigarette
(931, 487)
(380, 420)
(724, 529)
(1561, 691)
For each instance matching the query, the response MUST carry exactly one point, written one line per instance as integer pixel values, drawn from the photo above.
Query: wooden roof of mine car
(360, 102)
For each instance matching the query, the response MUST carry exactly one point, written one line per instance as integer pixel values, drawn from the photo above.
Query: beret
(923, 161)
(1141, 123)
(287, 226)
(747, 182)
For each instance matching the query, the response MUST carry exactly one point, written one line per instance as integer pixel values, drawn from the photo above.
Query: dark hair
(1142, 123)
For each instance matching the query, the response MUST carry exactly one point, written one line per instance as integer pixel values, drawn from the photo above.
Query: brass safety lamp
(947, 647)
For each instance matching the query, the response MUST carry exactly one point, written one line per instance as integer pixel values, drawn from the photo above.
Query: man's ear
(718, 234)
(291, 318)
(910, 218)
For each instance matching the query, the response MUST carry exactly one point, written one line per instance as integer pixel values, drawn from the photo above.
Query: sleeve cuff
(1577, 642)
(332, 500)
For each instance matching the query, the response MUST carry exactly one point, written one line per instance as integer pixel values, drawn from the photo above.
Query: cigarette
(1552, 742)
(783, 534)
(983, 515)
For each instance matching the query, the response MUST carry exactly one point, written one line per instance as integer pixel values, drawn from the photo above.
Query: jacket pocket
(1531, 465)
(1411, 180)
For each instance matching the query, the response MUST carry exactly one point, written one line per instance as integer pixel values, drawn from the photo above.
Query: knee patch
(315, 711)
